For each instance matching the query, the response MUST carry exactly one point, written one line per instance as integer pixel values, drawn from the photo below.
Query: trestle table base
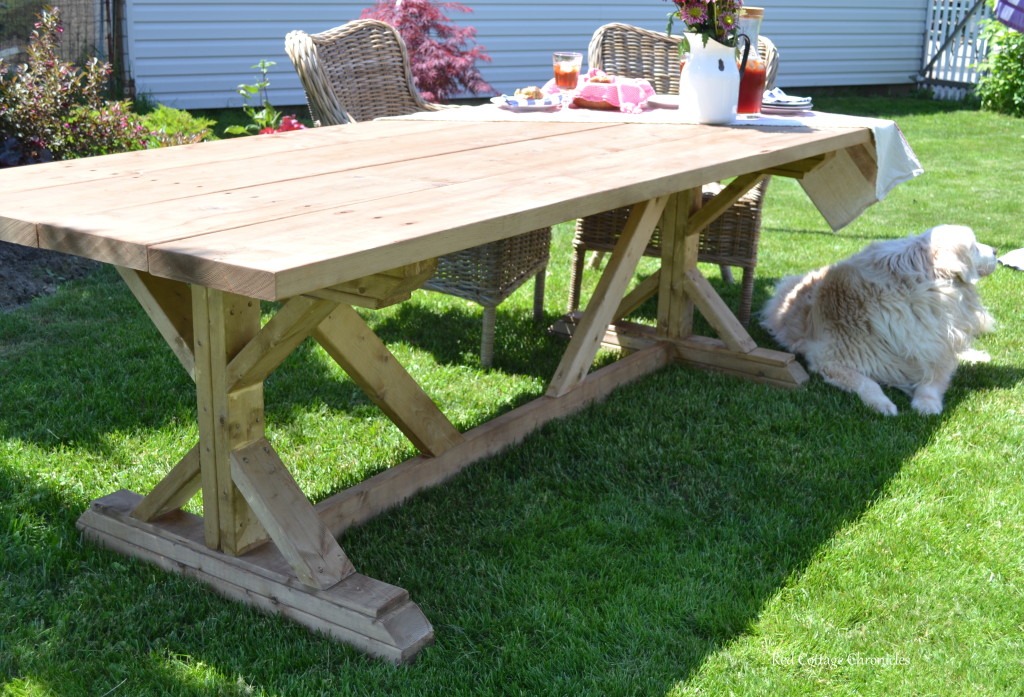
(262, 542)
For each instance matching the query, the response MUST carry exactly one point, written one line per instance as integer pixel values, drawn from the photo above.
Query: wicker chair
(623, 49)
(360, 71)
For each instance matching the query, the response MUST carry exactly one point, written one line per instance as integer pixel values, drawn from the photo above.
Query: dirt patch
(26, 273)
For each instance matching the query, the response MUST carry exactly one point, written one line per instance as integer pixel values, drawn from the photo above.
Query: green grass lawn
(695, 534)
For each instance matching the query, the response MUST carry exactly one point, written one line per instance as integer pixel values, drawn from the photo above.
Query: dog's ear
(952, 259)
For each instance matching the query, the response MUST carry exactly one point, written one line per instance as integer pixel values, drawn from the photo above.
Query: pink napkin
(628, 94)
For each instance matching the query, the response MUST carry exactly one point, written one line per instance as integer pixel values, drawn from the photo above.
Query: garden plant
(442, 54)
(1001, 85)
(263, 117)
(53, 109)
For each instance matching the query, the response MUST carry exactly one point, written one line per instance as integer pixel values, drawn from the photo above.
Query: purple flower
(715, 19)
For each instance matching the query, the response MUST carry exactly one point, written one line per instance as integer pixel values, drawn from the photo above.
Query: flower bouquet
(709, 19)
(710, 78)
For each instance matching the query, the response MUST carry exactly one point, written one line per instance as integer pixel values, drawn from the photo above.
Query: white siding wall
(193, 53)
(862, 42)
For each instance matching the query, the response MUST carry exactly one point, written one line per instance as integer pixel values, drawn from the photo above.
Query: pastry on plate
(531, 92)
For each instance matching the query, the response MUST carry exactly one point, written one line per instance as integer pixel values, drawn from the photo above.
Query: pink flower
(290, 123)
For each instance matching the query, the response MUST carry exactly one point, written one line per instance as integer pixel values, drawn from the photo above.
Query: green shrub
(1001, 86)
(51, 104)
(168, 126)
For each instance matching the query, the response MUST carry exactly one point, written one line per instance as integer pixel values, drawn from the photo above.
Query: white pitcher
(709, 83)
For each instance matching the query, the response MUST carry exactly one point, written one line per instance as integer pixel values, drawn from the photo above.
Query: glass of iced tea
(751, 87)
(567, 66)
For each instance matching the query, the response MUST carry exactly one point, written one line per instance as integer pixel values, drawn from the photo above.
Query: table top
(274, 216)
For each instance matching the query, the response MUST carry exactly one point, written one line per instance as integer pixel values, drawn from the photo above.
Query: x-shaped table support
(260, 540)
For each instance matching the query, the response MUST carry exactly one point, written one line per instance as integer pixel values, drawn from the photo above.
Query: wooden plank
(17, 231)
(679, 246)
(391, 487)
(224, 323)
(221, 164)
(716, 312)
(222, 199)
(375, 617)
(723, 200)
(639, 295)
(776, 368)
(288, 517)
(169, 306)
(361, 354)
(381, 289)
(371, 237)
(174, 490)
(800, 168)
(288, 328)
(579, 356)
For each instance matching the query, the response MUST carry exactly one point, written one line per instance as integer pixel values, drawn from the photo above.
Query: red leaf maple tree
(442, 54)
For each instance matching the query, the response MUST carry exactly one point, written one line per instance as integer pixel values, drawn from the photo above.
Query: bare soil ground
(26, 273)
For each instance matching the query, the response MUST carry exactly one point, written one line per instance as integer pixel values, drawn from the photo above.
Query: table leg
(586, 339)
(260, 540)
(681, 289)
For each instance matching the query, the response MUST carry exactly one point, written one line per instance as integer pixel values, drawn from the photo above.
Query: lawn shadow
(620, 546)
(615, 545)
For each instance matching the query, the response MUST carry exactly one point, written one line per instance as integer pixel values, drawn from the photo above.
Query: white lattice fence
(953, 46)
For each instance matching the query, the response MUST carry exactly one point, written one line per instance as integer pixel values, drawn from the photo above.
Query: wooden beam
(579, 356)
(224, 324)
(382, 289)
(370, 615)
(638, 296)
(391, 487)
(716, 312)
(288, 328)
(723, 200)
(169, 306)
(680, 243)
(800, 168)
(361, 354)
(776, 368)
(285, 512)
(173, 491)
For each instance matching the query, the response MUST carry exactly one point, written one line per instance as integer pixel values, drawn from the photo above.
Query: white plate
(664, 101)
(519, 104)
(776, 109)
(777, 98)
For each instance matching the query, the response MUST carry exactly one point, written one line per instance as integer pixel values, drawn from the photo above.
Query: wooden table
(331, 218)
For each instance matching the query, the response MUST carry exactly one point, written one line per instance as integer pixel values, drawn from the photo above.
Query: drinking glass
(567, 66)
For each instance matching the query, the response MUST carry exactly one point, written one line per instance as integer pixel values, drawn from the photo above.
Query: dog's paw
(871, 394)
(884, 406)
(927, 404)
(974, 356)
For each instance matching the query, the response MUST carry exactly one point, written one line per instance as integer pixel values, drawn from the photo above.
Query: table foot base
(762, 365)
(372, 616)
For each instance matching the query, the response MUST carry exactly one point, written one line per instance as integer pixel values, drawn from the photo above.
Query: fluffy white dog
(900, 312)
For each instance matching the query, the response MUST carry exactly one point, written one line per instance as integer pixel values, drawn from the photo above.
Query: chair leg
(538, 295)
(576, 278)
(746, 297)
(487, 336)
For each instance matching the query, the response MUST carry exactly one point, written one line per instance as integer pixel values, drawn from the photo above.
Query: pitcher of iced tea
(753, 76)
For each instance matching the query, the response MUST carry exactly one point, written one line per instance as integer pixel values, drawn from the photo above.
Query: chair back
(356, 72)
(635, 52)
